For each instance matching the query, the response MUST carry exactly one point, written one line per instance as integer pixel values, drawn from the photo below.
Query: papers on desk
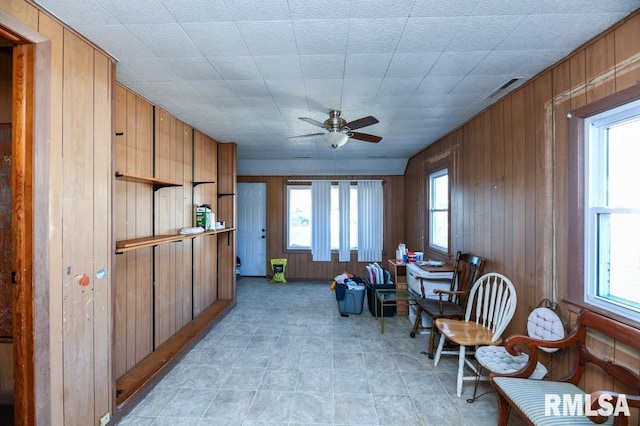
(433, 263)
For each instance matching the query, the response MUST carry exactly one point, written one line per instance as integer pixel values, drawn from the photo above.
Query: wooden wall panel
(133, 212)
(299, 262)
(627, 53)
(532, 136)
(6, 68)
(55, 32)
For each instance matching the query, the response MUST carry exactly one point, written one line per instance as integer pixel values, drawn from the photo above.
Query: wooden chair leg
(432, 338)
(416, 322)
(439, 351)
(503, 410)
(461, 364)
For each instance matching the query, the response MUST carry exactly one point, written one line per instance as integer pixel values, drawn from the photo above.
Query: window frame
(286, 228)
(434, 169)
(576, 191)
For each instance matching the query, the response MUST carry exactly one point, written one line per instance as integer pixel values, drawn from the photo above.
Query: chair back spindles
(495, 303)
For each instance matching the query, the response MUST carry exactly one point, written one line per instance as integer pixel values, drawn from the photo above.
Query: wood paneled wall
(299, 263)
(510, 175)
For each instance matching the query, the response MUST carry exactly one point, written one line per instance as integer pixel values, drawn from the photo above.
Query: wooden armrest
(516, 342)
(451, 292)
(607, 401)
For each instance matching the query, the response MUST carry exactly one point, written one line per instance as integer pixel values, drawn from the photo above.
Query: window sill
(604, 312)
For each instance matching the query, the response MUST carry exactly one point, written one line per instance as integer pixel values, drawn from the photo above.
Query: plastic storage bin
(389, 311)
(350, 299)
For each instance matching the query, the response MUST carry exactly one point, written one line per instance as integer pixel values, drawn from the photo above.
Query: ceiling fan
(339, 131)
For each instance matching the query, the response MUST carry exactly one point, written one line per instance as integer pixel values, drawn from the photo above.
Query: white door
(252, 228)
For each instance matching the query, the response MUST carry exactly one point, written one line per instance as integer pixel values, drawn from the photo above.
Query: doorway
(252, 228)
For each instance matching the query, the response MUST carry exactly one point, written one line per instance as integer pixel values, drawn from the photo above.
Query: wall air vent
(502, 88)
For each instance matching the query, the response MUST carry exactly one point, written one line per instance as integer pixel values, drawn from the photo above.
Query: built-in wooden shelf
(202, 182)
(138, 243)
(157, 183)
(136, 382)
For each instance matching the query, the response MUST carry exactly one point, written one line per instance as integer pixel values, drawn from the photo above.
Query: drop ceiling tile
(216, 38)
(319, 9)
(456, 63)
(116, 40)
(198, 10)
(374, 35)
(367, 66)
(407, 65)
(212, 89)
(140, 11)
(389, 101)
(321, 36)
(398, 86)
(571, 6)
(439, 85)
(278, 67)
(556, 31)
(151, 69)
(268, 37)
(196, 68)
(322, 66)
(324, 94)
(246, 10)
(248, 87)
(440, 8)
(86, 12)
(503, 7)
(483, 32)
(517, 63)
(286, 87)
(235, 67)
(380, 8)
(428, 34)
(424, 100)
(165, 40)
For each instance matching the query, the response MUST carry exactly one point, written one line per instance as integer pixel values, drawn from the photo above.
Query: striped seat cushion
(529, 397)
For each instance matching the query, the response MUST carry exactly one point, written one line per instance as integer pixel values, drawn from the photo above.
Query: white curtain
(344, 197)
(321, 221)
(370, 221)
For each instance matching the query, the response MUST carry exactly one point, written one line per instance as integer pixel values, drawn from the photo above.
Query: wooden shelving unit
(138, 243)
(156, 183)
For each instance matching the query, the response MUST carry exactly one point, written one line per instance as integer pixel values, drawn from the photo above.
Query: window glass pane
(440, 192)
(623, 160)
(440, 229)
(299, 217)
(439, 210)
(619, 257)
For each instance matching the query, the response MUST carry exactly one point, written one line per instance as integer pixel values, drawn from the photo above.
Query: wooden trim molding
(576, 191)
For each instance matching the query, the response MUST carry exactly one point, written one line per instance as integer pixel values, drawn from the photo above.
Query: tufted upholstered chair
(543, 324)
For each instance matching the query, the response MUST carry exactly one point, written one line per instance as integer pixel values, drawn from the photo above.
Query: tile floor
(285, 356)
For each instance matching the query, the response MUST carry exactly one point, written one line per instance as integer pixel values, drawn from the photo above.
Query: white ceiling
(245, 70)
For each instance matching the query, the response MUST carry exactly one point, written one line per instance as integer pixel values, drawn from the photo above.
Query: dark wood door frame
(30, 181)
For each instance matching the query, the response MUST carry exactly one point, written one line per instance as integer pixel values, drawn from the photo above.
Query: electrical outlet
(104, 420)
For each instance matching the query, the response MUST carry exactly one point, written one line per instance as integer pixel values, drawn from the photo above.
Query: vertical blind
(321, 214)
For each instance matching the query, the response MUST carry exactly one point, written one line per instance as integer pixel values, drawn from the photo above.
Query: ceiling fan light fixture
(335, 139)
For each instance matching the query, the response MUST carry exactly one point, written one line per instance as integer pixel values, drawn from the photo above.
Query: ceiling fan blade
(312, 121)
(362, 122)
(306, 136)
(365, 137)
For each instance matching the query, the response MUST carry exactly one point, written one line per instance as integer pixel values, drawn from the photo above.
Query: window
(612, 210)
(300, 218)
(438, 220)
(299, 202)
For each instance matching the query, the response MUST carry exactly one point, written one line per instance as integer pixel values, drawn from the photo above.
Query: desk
(391, 297)
(399, 273)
